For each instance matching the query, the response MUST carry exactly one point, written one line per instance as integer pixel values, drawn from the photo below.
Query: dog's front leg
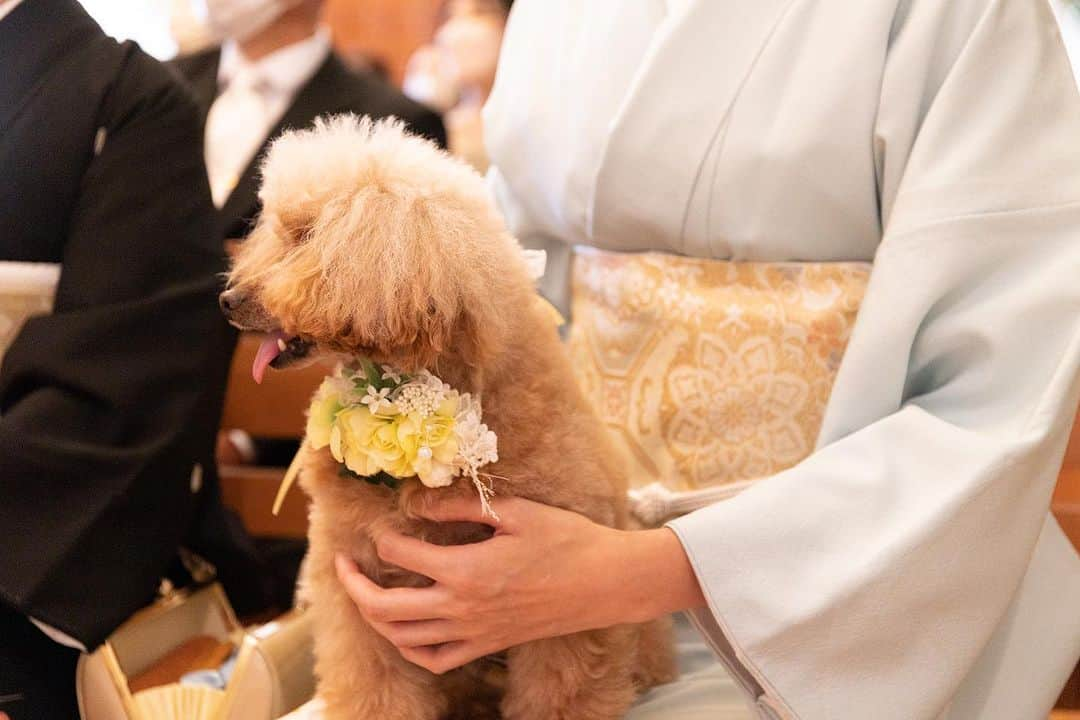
(584, 676)
(361, 676)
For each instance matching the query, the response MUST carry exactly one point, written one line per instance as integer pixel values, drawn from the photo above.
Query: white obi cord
(536, 262)
(654, 503)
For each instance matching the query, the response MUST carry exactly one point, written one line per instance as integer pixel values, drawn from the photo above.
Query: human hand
(545, 572)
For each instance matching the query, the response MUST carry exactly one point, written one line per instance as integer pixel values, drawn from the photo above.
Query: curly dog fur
(374, 243)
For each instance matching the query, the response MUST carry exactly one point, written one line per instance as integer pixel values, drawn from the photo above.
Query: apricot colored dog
(374, 243)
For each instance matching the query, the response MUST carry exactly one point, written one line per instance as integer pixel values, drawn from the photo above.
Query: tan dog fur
(375, 243)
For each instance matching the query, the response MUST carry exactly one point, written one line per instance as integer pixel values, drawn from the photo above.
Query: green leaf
(380, 478)
(373, 374)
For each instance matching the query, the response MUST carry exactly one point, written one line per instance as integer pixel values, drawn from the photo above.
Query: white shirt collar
(282, 71)
(6, 7)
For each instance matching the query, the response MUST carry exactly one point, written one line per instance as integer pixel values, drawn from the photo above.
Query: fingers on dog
(441, 563)
(356, 584)
(417, 633)
(385, 605)
(467, 509)
(440, 659)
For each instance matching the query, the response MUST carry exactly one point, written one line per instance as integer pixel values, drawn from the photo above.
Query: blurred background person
(275, 69)
(108, 404)
(188, 28)
(455, 72)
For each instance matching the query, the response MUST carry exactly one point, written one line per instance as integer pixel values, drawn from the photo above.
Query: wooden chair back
(274, 409)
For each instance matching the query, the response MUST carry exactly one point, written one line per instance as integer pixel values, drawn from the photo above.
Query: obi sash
(710, 374)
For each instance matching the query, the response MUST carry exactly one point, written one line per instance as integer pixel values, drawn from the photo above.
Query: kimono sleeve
(867, 580)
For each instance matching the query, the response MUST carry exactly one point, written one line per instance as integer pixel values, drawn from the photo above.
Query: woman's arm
(546, 572)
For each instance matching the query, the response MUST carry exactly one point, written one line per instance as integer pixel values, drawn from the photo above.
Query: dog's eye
(294, 226)
(431, 310)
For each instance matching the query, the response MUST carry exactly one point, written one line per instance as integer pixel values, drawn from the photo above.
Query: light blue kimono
(908, 568)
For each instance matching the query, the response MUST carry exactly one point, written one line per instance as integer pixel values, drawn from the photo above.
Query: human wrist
(657, 577)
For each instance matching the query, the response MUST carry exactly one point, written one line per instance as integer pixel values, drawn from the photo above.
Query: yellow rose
(388, 452)
(351, 440)
(437, 432)
(450, 404)
(320, 421)
(430, 447)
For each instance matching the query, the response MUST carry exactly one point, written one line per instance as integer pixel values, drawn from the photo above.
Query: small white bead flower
(419, 397)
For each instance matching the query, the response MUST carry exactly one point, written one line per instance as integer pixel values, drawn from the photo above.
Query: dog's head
(374, 243)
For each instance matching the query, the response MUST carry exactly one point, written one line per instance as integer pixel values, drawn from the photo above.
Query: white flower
(388, 373)
(435, 474)
(437, 386)
(375, 399)
(341, 385)
(477, 445)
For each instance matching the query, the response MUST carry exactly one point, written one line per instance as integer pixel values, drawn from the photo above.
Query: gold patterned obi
(710, 373)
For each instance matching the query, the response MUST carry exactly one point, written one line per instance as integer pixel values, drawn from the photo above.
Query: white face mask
(472, 43)
(428, 79)
(239, 19)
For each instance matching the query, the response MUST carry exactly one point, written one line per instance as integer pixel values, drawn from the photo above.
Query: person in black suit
(108, 405)
(278, 53)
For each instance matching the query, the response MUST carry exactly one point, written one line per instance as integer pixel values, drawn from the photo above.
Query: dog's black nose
(229, 301)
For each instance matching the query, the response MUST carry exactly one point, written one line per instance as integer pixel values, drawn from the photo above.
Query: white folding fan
(271, 676)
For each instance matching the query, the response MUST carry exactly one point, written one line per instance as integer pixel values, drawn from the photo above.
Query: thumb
(469, 509)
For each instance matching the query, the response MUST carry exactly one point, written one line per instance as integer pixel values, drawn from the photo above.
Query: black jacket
(331, 90)
(109, 404)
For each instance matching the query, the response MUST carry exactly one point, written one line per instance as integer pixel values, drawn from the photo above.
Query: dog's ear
(481, 333)
(446, 311)
(408, 284)
(417, 328)
(295, 219)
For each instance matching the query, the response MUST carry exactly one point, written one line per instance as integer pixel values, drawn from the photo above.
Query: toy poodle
(374, 245)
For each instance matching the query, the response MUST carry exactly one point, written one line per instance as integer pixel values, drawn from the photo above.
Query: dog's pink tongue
(268, 350)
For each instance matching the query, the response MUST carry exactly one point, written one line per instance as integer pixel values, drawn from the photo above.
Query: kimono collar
(669, 120)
